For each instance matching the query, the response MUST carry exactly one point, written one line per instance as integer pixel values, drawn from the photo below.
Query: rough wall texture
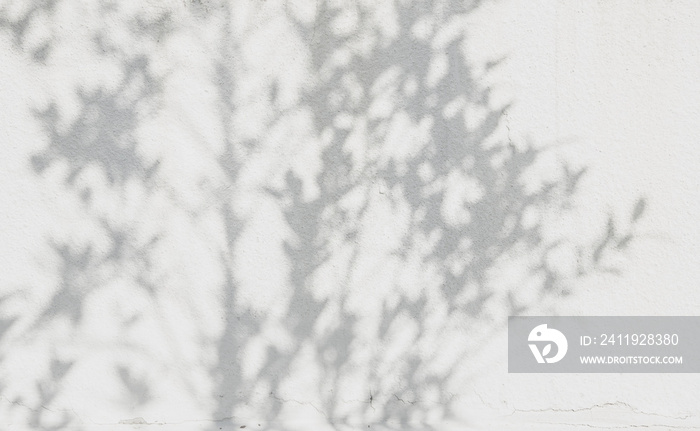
(318, 214)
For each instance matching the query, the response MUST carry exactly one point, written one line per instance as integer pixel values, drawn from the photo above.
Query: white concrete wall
(318, 214)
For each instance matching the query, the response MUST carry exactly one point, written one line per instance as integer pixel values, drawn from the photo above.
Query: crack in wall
(303, 403)
(403, 401)
(663, 426)
(600, 406)
(40, 408)
(607, 406)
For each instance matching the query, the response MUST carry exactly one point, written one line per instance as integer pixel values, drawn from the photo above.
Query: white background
(606, 85)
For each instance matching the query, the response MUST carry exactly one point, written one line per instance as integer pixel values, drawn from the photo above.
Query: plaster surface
(287, 215)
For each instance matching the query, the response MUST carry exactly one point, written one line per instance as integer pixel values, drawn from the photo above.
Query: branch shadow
(397, 240)
(459, 197)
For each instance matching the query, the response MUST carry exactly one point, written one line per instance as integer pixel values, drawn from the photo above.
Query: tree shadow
(400, 224)
(458, 195)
